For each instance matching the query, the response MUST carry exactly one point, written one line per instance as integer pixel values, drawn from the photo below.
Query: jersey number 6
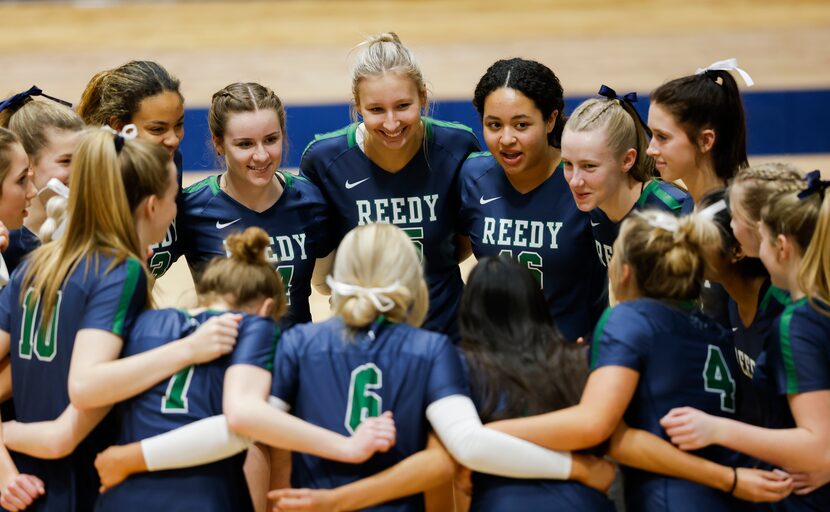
(363, 401)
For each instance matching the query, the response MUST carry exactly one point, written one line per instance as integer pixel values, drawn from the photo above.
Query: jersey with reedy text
(421, 199)
(543, 230)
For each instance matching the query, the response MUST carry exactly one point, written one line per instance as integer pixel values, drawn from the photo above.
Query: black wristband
(734, 481)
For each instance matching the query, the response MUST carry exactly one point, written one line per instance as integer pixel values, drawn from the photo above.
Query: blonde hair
(622, 128)
(667, 253)
(378, 256)
(7, 140)
(33, 119)
(107, 187)
(814, 274)
(245, 276)
(118, 93)
(384, 53)
(757, 183)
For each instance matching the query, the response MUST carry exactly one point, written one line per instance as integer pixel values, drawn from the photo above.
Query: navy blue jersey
(166, 252)
(656, 194)
(94, 296)
(800, 364)
(683, 359)
(192, 394)
(21, 243)
(544, 230)
(297, 224)
(334, 379)
(421, 199)
(750, 342)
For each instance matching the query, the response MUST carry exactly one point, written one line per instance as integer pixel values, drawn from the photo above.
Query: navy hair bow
(814, 184)
(630, 98)
(20, 98)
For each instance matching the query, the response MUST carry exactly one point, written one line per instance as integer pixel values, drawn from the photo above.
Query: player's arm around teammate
(794, 232)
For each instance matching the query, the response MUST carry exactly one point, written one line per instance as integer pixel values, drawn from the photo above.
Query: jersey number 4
(33, 338)
(718, 379)
(363, 401)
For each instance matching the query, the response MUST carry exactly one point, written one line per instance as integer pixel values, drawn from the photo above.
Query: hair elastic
(21, 97)
(377, 296)
(629, 98)
(129, 132)
(814, 185)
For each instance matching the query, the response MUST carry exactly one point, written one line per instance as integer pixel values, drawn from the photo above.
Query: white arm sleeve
(481, 449)
(197, 443)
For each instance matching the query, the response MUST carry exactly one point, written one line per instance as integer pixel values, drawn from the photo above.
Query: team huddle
(643, 300)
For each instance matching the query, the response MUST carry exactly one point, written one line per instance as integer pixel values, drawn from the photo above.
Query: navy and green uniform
(21, 243)
(192, 394)
(297, 224)
(750, 343)
(544, 230)
(656, 194)
(94, 296)
(333, 378)
(800, 363)
(166, 251)
(421, 199)
(683, 359)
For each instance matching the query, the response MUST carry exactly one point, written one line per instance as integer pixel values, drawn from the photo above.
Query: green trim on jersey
(127, 292)
(653, 188)
(210, 181)
(349, 131)
(478, 154)
(787, 348)
(430, 122)
(778, 294)
(597, 333)
(277, 334)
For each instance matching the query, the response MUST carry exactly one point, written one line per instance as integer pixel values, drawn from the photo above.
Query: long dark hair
(519, 363)
(534, 80)
(709, 100)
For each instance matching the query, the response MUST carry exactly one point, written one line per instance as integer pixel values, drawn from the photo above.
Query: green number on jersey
(363, 402)
(45, 340)
(175, 398)
(530, 259)
(417, 236)
(717, 379)
(287, 275)
(159, 263)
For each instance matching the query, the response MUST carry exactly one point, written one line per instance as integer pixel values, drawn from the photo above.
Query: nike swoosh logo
(490, 200)
(734, 329)
(223, 225)
(356, 183)
(594, 224)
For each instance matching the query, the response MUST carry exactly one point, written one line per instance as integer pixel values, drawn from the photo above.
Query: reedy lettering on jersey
(746, 363)
(604, 252)
(283, 248)
(397, 210)
(520, 233)
(169, 237)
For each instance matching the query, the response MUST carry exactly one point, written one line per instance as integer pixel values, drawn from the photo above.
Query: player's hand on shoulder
(313, 500)
(594, 472)
(689, 428)
(762, 486)
(376, 434)
(214, 338)
(21, 492)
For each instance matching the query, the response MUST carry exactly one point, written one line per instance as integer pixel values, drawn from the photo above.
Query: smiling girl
(398, 166)
(605, 163)
(514, 200)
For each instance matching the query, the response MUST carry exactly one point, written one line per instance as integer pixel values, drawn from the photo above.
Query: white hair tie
(664, 221)
(713, 209)
(727, 65)
(377, 296)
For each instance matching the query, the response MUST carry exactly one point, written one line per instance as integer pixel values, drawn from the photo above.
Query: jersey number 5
(31, 333)
(363, 401)
(718, 379)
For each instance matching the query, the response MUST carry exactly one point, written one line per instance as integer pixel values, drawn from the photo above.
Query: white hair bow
(713, 209)
(664, 221)
(377, 296)
(129, 131)
(727, 65)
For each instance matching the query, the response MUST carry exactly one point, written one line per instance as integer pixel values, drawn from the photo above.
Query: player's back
(683, 359)
(334, 378)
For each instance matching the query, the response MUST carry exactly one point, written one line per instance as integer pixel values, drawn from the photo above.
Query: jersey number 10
(32, 335)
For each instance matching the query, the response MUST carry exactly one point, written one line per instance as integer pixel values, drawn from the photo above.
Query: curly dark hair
(534, 80)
